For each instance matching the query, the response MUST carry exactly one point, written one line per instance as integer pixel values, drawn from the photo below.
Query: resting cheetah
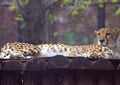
(17, 49)
(110, 38)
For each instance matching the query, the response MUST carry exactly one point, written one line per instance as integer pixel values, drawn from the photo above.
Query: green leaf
(72, 7)
(117, 11)
(75, 12)
(64, 2)
(14, 6)
(19, 17)
(50, 17)
(23, 25)
(89, 1)
(67, 1)
(101, 3)
(55, 34)
(26, 2)
(114, 1)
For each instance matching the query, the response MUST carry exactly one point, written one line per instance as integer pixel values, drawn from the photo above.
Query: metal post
(101, 16)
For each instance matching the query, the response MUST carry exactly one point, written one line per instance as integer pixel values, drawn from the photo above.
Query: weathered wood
(117, 78)
(118, 67)
(36, 65)
(102, 64)
(103, 70)
(81, 63)
(0, 66)
(33, 74)
(53, 78)
(57, 62)
(60, 70)
(115, 63)
(67, 78)
(117, 75)
(45, 79)
(12, 65)
(11, 78)
(0, 78)
(104, 78)
(85, 78)
(40, 78)
(50, 78)
(32, 78)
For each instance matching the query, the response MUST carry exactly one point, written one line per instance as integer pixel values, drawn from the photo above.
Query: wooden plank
(117, 78)
(32, 78)
(45, 79)
(0, 71)
(85, 77)
(11, 78)
(13, 65)
(67, 78)
(118, 67)
(0, 66)
(102, 64)
(50, 78)
(117, 75)
(40, 78)
(81, 63)
(34, 70)
(36, 65)
(104, 69)
(105, 78)
(58, 62)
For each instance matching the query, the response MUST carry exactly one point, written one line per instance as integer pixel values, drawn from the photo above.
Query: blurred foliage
(64, 2)
(19, 17)
(14, 6)
(25, 2)
(55, 34)
(70, 36)
(77, 23)
(101, 3)
(117, 11)
(79, 6)
(50, 17)
(84, 4)
(114, 1)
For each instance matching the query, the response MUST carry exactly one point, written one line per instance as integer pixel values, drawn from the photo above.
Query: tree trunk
(37, 30)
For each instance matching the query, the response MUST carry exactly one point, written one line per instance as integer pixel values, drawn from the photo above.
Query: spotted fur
(89, 51)
(16, 50)
(110, 38)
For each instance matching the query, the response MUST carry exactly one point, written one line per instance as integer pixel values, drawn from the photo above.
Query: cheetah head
(107, 37)
(4, 55)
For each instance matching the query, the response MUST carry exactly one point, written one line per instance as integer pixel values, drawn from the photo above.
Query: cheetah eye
(98, 33)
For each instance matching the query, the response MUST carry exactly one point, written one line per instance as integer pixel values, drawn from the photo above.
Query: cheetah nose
(101, 41)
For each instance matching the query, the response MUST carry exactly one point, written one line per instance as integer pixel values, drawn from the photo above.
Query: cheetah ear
(95, 31)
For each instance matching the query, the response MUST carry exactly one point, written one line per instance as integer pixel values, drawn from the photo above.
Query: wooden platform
(60, 70)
